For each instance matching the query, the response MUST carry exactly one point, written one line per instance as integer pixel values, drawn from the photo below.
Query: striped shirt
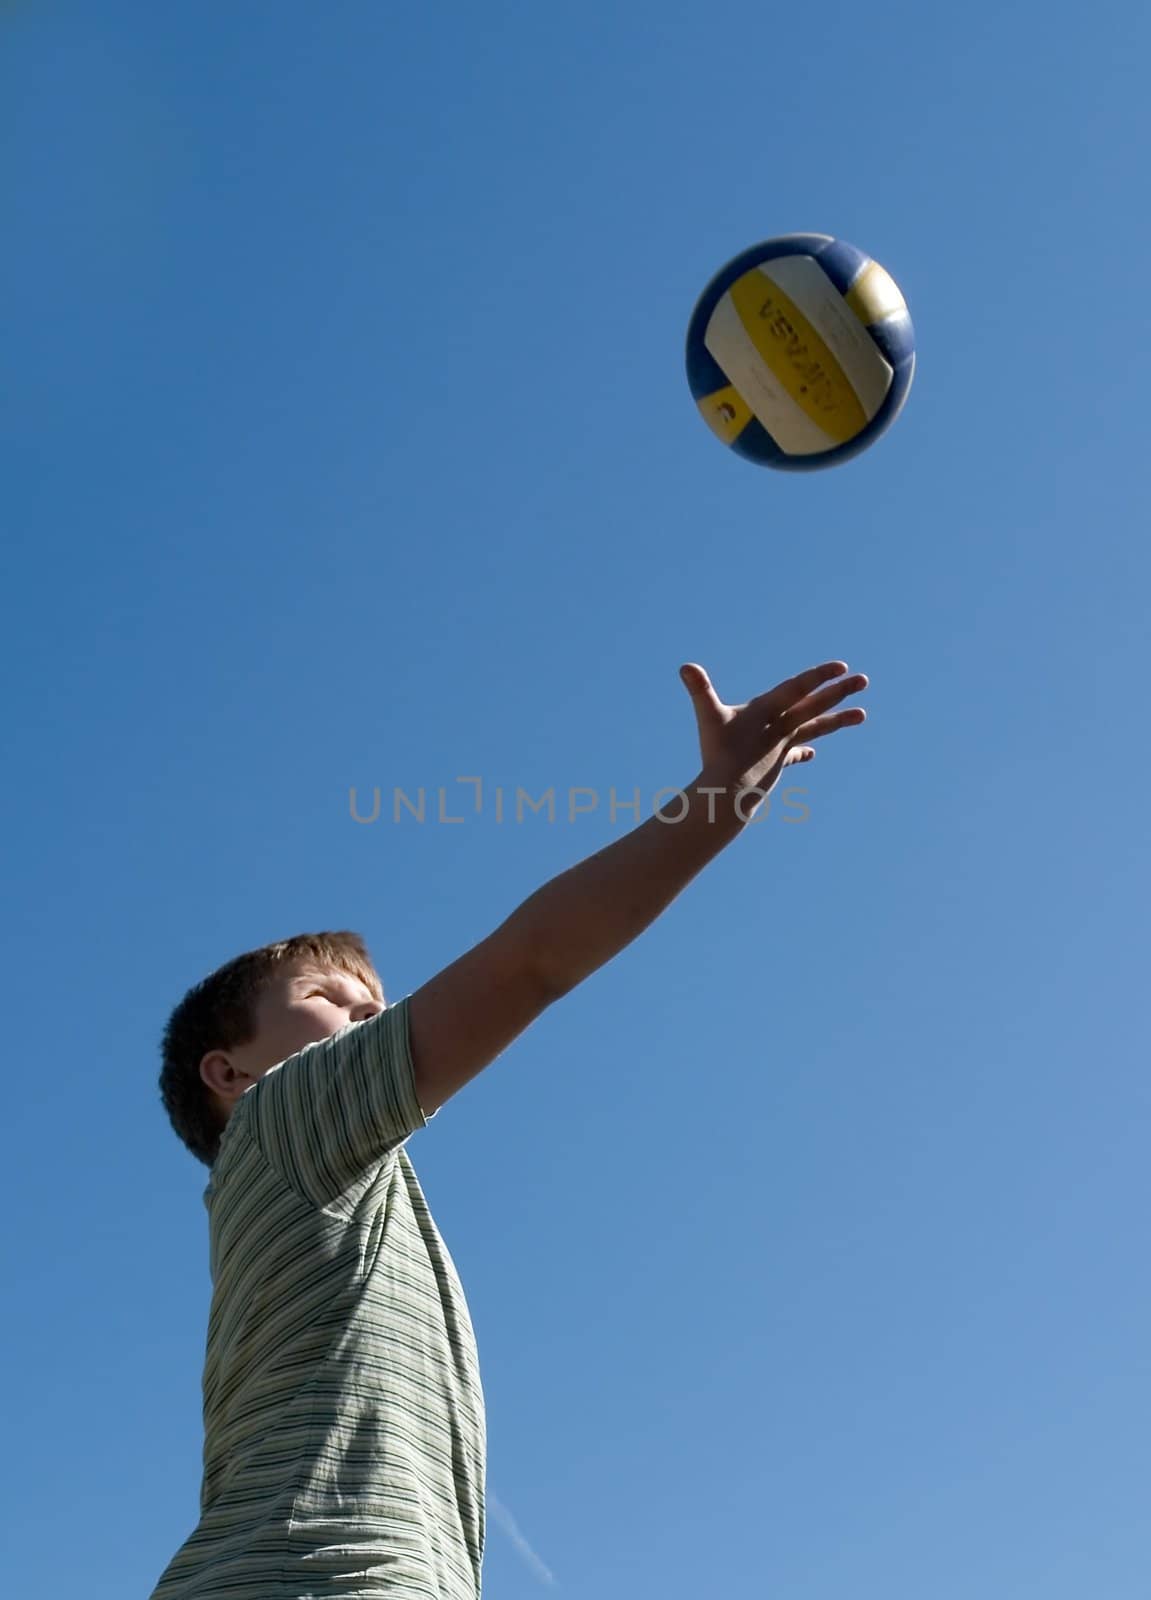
(343, 1414)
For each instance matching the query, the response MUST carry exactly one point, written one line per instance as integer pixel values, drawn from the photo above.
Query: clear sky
(345, 441)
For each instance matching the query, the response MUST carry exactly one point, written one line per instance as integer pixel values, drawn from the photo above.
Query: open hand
(748, 746)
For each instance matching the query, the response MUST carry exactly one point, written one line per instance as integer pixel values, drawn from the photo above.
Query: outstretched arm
(467, 1015)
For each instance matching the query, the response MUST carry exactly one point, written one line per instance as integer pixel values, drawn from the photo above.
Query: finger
(813, 705)
(831, 723)
(798, 753)
(703, 696)
(776, 701)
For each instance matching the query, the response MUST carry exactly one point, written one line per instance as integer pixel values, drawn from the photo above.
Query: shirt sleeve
(327, 1117)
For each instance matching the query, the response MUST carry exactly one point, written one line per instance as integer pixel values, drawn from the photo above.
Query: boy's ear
(223, 1076)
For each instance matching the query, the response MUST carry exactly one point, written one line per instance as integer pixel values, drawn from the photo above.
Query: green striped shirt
(343, 1414)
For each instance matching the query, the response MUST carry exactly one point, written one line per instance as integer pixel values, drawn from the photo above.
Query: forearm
(587, 915)
(469, 1013)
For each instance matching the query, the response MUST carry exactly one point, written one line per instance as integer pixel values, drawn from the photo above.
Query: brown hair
(220, 1013)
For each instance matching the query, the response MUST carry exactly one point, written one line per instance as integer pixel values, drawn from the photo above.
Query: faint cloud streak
(508, 1523)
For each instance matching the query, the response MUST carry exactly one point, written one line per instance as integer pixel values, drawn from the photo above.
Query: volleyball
(800, 352)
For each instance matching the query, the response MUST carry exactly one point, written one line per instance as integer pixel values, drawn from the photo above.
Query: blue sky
(345, 441)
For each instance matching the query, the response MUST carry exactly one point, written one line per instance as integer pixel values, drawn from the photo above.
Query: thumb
(703, 696)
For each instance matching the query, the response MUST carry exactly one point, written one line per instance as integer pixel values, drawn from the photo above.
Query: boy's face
(301, 1004)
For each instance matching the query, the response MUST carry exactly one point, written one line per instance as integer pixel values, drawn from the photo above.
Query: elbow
(551, 984)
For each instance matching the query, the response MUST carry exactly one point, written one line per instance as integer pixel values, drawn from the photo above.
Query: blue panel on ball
(754, 443)
(895, 337)
(704, 373)
(843, 263)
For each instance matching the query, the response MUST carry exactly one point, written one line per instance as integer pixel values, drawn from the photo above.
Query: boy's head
(250, 1015)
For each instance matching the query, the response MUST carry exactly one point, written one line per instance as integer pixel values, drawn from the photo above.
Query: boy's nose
(366, 1009)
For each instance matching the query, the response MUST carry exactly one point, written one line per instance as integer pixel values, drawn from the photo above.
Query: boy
(344, 1421)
